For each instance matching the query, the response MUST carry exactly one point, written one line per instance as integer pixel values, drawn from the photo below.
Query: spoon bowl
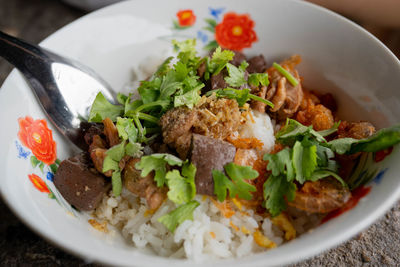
(64, 87)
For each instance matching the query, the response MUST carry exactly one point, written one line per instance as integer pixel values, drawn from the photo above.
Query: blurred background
(33, 20)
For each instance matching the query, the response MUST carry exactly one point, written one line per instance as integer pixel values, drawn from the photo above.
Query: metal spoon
(64, 87)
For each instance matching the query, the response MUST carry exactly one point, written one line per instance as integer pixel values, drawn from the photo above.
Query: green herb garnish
(235, 76)
(157, 163)
(179, 215)
(182, 188)
(381, 140)
(236, 185)
(293, 81)
(255, 79)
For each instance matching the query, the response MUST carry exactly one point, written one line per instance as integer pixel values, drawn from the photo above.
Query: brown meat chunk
(286, 97)
(258, 105)
(309, 99)
(237, 58)
(321, 196)
(257, 64)
(111, 132)
(218, 81)
(176, 127)
(143, 186)
(97, 151)
(201, 69)
(94, 129)
(209, 154)
(318, 116)
(80, 184)
(356, 130)
(279, 98)
(217, 118)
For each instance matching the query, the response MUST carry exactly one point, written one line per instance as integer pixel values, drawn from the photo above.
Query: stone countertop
(33, 20)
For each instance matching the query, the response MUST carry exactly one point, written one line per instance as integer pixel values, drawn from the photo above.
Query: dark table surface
(33, 20)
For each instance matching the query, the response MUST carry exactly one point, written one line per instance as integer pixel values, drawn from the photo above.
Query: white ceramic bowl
(338, 56)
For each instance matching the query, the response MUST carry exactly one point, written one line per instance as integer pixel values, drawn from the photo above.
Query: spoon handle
(30, 59)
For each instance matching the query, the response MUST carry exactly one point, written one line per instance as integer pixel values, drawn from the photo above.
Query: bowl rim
(90, 256)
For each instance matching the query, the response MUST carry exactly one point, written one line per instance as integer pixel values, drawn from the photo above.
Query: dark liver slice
(80, 184)
(209, 154)
(257, 64)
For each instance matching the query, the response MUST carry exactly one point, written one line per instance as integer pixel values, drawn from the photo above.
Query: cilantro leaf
(179, 215)
(187, 53)
(169, 85)
(342, 145)
(163, 68)
(116, 183)
(189, 99)
(186, 46)
(113, 156)
(102, 109)
(182, 189)
(235, 76)
(181, 71)
(116, 152)
(325, 158)
(276, 188)
(218, 60)
(294, 130)
(110, 164)
(221, 185)
(381, 140)
(157, 163)
(319, 174)
(238, 173)
(281, 163)
(304, 160)
(255, 79)
(121, 98)
(126, 129)
(133, 149)
(149, 90)
(236, 186)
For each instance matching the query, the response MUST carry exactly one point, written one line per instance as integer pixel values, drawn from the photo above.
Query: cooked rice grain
(192, 239)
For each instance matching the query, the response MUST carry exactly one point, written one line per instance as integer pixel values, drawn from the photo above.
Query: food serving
(219, 156)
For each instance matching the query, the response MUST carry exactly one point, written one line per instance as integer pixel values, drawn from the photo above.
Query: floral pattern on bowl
(36, 136)
(138, 30)
(234, 32)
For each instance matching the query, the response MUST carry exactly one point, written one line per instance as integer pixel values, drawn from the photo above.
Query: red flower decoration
(235, 32)
(38, 183)
(186, 17)
(35, 135)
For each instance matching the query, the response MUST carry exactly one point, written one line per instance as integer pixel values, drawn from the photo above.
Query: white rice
(262, 129)
(192, 239)
(209, 235)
